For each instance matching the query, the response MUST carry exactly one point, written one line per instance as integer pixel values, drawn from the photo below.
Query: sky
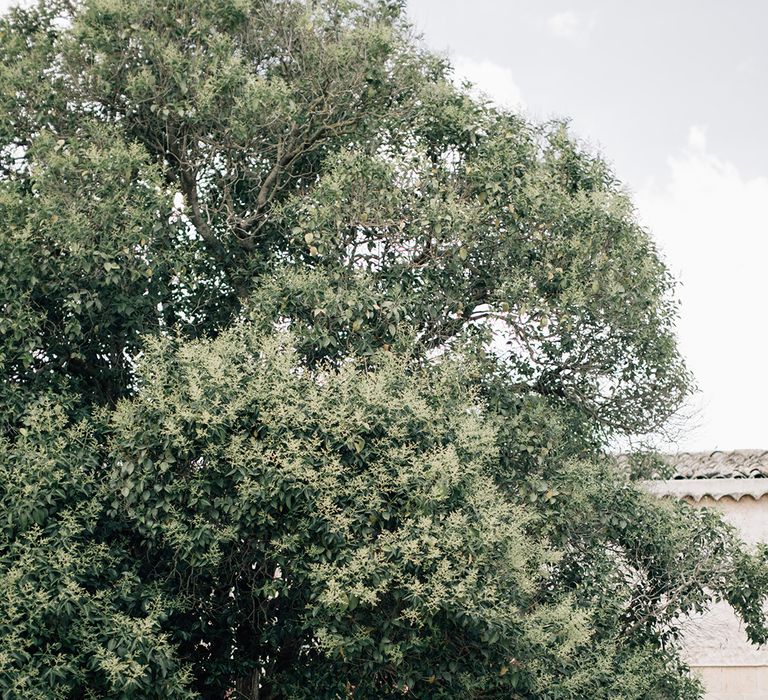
(669, 92)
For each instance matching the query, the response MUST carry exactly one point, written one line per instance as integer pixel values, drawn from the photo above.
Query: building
(736, 484)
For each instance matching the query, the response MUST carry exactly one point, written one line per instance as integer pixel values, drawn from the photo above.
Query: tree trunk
(247, 687)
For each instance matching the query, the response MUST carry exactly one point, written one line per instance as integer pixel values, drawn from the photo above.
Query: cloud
(490, 80)
(697, 138)
(569, 25)
(711, 224)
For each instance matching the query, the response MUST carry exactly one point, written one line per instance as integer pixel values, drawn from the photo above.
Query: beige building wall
(734, 682)
(716, 646)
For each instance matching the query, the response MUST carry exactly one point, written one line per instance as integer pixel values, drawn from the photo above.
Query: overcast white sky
(670, 92)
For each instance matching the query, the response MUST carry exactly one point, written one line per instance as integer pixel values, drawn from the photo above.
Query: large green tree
(309, 366)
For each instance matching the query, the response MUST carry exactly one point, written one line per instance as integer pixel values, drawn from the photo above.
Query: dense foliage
(309, 364)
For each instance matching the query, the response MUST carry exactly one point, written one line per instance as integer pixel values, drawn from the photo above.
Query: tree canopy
(310, 362)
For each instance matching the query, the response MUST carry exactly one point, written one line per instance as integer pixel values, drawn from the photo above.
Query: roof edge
(716, 488)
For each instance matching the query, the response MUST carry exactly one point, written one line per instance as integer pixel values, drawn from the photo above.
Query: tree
(310, 362)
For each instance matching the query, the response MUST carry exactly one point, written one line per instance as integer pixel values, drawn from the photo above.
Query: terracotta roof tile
(736, 464)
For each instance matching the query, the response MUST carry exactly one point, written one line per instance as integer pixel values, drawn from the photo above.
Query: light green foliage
(357, 508)
(309, 361)
(75, 618)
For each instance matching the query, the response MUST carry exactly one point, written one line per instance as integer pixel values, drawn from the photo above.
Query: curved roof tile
(716, 489)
